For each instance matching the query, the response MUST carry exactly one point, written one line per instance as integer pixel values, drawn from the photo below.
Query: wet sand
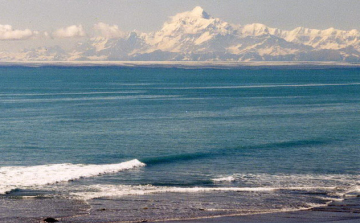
(347, 211)
(35, 210)
(288, 217)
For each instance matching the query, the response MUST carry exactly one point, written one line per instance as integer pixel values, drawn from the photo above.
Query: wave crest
(23, 177)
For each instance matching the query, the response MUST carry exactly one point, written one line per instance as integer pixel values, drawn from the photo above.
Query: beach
(347, 211)
(34, 210)
(341, 212)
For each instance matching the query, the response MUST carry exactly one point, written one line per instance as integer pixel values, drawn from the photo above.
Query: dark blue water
(189, 126)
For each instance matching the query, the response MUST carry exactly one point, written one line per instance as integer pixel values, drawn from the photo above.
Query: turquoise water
(206, 128)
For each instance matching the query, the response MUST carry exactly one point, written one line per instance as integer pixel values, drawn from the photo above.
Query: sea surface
(170, 143)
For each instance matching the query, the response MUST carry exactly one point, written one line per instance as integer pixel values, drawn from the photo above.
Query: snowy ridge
(188, 30)
(197, 36)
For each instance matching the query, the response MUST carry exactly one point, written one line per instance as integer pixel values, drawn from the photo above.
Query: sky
(66, 21)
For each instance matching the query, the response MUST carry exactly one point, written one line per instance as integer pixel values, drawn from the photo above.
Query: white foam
(114, 191)
(100, 190)
(224, 179)
(337, 185)
(345, 181)
(26, 177)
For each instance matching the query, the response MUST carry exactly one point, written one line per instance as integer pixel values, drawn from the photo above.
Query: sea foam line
(24, 177)
(101, 190)
(293, 180)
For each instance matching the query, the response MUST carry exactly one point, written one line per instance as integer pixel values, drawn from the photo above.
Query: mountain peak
(198, 11)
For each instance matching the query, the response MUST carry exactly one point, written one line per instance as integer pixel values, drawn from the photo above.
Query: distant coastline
(187, 64)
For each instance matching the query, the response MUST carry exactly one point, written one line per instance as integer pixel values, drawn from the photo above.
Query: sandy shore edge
(346, 211)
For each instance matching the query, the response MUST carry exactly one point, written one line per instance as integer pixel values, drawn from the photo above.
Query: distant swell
(24, 177)
(230, 151)
(176, 158)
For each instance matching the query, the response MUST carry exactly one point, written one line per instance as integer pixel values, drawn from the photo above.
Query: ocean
(130, 143)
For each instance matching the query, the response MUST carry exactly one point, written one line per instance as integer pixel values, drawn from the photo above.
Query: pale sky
(148, 15)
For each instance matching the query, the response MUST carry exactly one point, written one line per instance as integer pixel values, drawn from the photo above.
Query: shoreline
(346, 211)
(73, 211)
(280, 217)
(187, 64)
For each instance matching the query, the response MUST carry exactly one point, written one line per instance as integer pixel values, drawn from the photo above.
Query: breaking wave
(224, 179)
(13, 177)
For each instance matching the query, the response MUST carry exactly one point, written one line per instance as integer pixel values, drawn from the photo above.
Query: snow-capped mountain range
(197, 36)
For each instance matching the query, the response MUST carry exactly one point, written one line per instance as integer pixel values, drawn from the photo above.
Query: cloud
(108, 31)
(8, 33)
(69, 32)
